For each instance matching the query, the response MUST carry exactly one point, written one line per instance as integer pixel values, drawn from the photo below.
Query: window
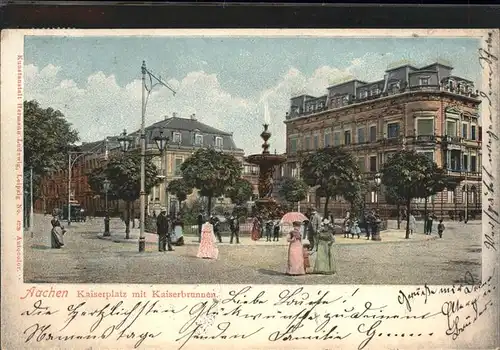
(336, 138)
(316, 141)
(295, 171)
(363, 94)
(361, 135)
(429, 155)
(388, 155)
(373, 133)
(465, 164)
(361, 164)
(327, 140)
(375, 91)
(347, 137)
(218, 142)
(345, 100)
(373, 163)
(464, 130)
(307, 142)
(198, 139)
(450, 196)
(176, 137)
(293, 145)
(392, 130)
(473, 132)
(425, 126)
(473, 163)
(178, 163)
(451, 128)
(423, 81)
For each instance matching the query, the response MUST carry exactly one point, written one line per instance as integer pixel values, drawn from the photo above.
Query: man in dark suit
(162, 228)
(214, 220)
(234, 225)
(200, 224)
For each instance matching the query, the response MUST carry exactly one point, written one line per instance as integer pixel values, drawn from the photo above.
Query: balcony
(454, 140)
(464, 174)
(425, 139)
(391, 141)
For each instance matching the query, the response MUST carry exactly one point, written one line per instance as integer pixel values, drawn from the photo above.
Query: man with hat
(314, 226)
(162, 231)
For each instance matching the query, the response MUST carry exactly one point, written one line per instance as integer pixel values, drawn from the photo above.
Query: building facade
(185, 136)
(426, 109)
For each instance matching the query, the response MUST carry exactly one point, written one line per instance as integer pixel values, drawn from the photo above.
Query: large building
(427, 109)
(185, 136)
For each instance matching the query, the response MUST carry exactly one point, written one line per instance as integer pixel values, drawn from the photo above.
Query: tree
(240, 192)
(179, 189)
(406, 175)
(48, 137)
(434, 182)
(124, 174)
(293, 190)
(392, 197)
(334, 170)
(211, 172)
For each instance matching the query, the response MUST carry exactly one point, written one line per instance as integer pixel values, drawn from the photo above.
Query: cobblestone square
(88, 259)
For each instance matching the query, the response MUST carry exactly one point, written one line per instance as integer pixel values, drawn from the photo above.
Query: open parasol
(291, 217)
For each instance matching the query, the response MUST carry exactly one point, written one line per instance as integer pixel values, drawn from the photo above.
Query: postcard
(252, 189)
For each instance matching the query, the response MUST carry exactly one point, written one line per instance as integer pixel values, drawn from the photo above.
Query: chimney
(174, 114)
(193, 116)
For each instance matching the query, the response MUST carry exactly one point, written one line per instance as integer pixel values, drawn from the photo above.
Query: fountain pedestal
(266, 205)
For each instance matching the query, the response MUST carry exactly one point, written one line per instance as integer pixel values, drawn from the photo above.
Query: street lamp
(105, 185)
(378, 182)
(161, 142)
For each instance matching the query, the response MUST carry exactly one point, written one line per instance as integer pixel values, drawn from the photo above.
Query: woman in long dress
(325, 259)
(56, 234)
(208, 247)
(295, 252)
(178, 231)
(256, 229)
(413, 223)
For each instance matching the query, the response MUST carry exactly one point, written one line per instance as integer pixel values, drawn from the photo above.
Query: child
(305, 252)
(355, 230)
(440, 228)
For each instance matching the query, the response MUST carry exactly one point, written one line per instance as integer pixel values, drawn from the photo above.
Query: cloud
(100, 106)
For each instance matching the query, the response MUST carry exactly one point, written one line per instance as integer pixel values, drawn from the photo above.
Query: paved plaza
(87, 258)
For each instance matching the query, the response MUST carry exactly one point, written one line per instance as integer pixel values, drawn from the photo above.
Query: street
(88, 259)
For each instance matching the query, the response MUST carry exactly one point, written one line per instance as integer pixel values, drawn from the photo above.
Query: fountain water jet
(266, 205)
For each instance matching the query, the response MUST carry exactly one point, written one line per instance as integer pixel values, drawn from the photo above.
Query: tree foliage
(408, 175)
(293, 190)
(211, 172)
(240, 192)
(48, 137)
(124, 175)
(180, 189)
(335, 171)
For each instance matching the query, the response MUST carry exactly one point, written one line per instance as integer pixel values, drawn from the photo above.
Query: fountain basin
(266, 159)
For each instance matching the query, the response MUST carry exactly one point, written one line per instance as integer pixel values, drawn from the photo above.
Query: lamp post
(145, 90)
(72, 162)
(125, 141)
(161, 142)
(106, 184)
(378, 182)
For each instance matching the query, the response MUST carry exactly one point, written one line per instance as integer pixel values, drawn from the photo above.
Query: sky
(225, 81)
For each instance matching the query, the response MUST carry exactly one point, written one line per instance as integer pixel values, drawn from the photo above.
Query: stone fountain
(266, 205)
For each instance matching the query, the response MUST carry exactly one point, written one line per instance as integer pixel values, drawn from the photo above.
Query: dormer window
(363, 94)
(176, 137)
(424, 81)
(218, 142)
(375, 91)
(198, 139)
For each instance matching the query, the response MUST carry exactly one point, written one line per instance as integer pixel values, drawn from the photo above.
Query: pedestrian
(314, 225)
(347, 224)
(57, 233)
(255, 229)
(429, 222)
(440, 228)
(371, 224)
(276, 231)
(200, 223)
(269, 230)
(305, 229)
(178, 231)
(208, 246)
(215, 222)
(162, 230)
(325, 259)
(234, 225)
(413, 223)
(295, 265)
(355, 230)
(307, 260)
